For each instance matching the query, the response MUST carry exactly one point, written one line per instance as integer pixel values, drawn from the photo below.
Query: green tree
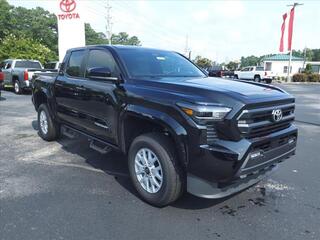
(123, 38)
(93, 37)
(5, 19)
(250, 61)
(232, 65)
(308, 68)
(202, 62)
(25, 48)
(37, 24)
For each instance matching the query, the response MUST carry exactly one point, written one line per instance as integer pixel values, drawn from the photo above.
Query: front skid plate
(204, 189)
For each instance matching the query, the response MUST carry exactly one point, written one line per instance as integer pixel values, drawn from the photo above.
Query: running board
(68, 132)
(97, 144)
(104, 149)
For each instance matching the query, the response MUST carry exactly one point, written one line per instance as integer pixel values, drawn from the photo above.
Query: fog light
(292, 140)
(256, 154)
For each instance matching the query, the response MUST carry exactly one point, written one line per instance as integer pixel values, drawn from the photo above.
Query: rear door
(68, 92)
(250, 73)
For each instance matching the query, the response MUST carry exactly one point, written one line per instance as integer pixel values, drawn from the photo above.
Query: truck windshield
(149, 63)
(27, 64)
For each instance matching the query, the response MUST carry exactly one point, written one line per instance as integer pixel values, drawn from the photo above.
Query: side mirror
(101, 73)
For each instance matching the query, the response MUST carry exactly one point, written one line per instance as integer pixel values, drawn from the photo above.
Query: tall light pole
(108, 22)
(290, 54)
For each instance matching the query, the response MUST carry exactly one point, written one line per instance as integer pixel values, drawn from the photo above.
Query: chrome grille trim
(258, 122)
(211, 134)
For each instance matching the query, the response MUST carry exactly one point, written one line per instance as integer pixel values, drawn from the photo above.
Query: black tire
(236, 77)
(268, 81)
(173, 181)
(257, 78)
(53, 129)
(17, 87)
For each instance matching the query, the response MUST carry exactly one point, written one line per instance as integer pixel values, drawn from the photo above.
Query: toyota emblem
(68, 5)
(277, 115)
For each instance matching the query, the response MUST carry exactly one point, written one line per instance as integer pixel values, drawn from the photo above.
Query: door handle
(81, 88)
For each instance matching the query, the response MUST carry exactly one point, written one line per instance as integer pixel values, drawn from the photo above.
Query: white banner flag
(70, 26)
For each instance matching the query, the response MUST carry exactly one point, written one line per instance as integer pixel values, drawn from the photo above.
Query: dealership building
(278, 64)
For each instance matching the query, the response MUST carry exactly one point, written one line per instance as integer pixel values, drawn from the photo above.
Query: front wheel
(47, 127)
(257, 78)
(154, 169)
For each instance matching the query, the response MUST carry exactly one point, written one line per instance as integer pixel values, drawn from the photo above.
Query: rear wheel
(154, 169)
(236, 77)
(268, 81)
(48, 129)
(17, 87)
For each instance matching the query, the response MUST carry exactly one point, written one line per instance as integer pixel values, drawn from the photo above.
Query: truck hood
(243, 89)
(209, 90)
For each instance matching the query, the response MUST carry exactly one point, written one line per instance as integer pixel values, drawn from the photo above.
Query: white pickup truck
(254, 73)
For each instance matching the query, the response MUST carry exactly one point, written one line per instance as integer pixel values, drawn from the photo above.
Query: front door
(103, 100)
(7, 71)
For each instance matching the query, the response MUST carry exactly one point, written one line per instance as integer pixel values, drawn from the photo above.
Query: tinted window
(215, 68)
(50, 65)
(149, 63)
(259, 69)
(74, 64)
(9, 64)
(27, 64)
(102, 59)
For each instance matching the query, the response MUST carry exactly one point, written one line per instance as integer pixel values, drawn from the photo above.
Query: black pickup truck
(180, 129)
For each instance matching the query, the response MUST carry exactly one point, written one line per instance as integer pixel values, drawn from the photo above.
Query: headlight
(204, 112)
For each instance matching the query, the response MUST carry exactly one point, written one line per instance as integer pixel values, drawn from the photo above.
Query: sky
(220, 30)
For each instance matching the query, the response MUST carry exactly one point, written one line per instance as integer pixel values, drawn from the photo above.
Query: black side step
(95, 143)
(99, 147)
(68, 132)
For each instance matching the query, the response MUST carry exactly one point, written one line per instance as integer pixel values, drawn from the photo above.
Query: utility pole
(290, 54)
(304, 57)
(108, 22)
(187, 51)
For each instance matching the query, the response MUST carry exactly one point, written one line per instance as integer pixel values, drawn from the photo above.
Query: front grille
(258, 122)
(211, 134)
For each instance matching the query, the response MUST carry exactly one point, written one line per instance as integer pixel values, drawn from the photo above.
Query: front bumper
(228, 167)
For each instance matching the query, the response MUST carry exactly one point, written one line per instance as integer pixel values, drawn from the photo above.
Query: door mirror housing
(101, 73)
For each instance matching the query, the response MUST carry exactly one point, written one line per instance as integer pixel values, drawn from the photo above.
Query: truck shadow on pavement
(115, 164)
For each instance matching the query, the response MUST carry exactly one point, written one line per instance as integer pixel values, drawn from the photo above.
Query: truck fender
(175, 129)
(38, 96)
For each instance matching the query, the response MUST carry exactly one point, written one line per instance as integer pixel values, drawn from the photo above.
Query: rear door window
(74, 68)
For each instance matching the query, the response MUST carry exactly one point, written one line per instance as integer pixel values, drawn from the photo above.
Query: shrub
(313, 77)
(305, 77)
(300, 77)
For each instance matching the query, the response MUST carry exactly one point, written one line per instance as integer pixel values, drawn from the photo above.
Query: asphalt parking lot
(65, 190)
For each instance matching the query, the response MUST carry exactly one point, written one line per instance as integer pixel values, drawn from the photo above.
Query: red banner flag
(290, 28)
(283, 27)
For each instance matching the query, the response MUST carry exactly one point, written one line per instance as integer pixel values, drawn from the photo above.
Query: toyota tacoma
(180, 129)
